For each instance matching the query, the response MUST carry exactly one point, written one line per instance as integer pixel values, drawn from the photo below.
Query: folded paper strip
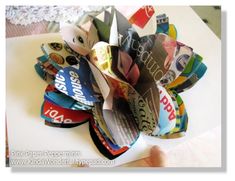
(119, 82)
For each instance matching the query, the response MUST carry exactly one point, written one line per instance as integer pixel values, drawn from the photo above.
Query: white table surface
(26, 130)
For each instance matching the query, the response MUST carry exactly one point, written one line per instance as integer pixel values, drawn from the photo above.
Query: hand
(157, 158)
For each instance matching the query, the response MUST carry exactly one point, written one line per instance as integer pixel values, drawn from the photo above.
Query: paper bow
(105, 73)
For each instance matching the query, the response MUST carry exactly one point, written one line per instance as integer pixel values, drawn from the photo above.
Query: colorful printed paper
(119, 82)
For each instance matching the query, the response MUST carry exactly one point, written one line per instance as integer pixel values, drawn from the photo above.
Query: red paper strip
(142, 16)
(59, 114)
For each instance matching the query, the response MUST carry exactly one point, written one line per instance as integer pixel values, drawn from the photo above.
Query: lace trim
(24, 15)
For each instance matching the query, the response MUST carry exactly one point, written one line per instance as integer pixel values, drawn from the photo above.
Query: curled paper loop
(120, 82)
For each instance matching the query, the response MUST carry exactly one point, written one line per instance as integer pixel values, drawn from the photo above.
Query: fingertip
(156, 150)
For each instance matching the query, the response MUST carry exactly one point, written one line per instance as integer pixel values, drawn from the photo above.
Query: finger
(157, 157)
